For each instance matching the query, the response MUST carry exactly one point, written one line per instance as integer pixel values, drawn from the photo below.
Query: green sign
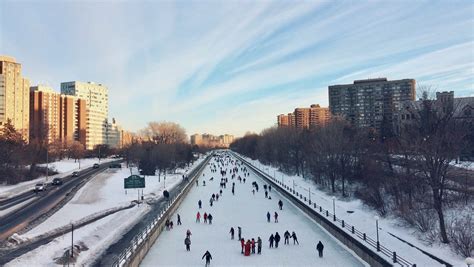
(134, 181)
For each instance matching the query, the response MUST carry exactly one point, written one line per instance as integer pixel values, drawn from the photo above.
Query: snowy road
(248, 211)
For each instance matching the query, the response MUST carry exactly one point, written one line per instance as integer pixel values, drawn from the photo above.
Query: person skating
(242, 244)
(187, 242)
(233, 192)
(205, 217)
(277, 239)
(200, 204)
(320, 248)
(198, 217)
(286, 235)
(275, 216)
(239, 232)
(295, 239)
(270, 188)
(266, 194)
(271, 240)
(208, 257)
(188, 233)
(210, 218)
(211, 201)
(280, 204)
(248, 246)
(268, 216)
(179, 220)
(259, 245)
(231, 233)
(253, 246)
(197, 182)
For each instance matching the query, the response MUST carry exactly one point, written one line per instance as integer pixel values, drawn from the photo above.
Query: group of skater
(228, 167)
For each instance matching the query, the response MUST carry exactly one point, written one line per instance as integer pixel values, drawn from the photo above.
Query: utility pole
(72, 239)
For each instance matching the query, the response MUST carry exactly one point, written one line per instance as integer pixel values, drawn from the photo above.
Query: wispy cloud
(233, 66)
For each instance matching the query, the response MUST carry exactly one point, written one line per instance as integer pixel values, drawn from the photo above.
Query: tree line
(409, 174)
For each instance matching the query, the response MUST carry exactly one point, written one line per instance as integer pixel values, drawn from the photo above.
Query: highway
(43, 202)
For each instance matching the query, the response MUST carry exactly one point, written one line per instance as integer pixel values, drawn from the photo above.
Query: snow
(101, 193)
(63, 167)
(363, 219)
(248, 211)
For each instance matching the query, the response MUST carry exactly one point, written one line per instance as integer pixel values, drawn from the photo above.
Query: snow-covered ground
(103, 192)
(63, 167)
(363, 219)
(249, 212)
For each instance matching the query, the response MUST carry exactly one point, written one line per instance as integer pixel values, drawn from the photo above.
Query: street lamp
(72, 239)
(334, 207)
(377, 227)
(469, 261)
(47, 162)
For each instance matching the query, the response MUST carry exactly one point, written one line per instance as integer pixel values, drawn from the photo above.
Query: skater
(277, 239)
(210, 218)
(211, 201)
(208, 257)
(213, 196)
(197, 182)
(239, 232)
(259, 245)
(242, 244)
(217, 197)
(253, 246)
(187, 242)
(320, 248)
(295, 239)
(203, 183)
(280, 204)
(167, 224)
(268, 216)
(231, 233)
(276, 217)
(205, 217)
(198, 217)
(179, 220)
(253, 192)
(248, 246)
(270, 188)
(233, 192)
(266, 194)
(188, 233)
(200, 204)
(171, 224)
(286, 235)
(271, 239)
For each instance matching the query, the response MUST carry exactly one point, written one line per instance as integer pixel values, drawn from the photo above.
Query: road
(44, 201)
(110, 255)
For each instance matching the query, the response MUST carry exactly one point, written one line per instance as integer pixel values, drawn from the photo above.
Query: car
(40, 187)
(57, 181)
(115, 165)
(96, 166)
(75, 174)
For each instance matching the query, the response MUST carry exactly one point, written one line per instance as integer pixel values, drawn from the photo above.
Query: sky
(232, 66)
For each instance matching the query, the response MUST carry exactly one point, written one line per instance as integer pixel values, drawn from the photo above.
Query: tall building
(304, 118)
(282, 120)
(114, 134)
(209, 140)
(14, 96)
(97, 108)
(56, 117)
(370, 103)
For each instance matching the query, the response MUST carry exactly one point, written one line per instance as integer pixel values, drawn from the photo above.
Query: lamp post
(47, 162)
(377, 227)
(309, 194)
(334, 207)
(293, 185)
(72, 239)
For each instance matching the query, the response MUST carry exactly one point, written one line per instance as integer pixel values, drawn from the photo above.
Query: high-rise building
(370, 103)
(209, 140)
(318, 116)
(304, 118)
(97, 108)
(114, 134)
(56, 117)
(282, 120)
(14, 96)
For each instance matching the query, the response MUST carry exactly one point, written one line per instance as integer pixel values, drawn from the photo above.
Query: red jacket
(198, 215)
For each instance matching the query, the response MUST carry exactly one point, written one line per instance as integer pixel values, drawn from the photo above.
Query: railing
(144, 234)
(332, 218)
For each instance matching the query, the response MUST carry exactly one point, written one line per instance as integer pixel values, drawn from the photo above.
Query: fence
(126, 256)
(331, 219)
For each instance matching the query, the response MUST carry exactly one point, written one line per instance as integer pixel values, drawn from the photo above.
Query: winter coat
(320, 246)
(287, 234)
(277, 237)
(187, 241)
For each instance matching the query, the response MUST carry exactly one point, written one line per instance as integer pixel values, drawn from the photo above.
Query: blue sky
(232, 66)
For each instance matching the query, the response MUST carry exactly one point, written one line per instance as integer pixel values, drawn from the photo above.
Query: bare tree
(164, 133)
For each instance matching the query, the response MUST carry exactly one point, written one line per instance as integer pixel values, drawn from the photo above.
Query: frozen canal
(248, 211)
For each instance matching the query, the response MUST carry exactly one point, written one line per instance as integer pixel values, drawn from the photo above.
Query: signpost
(134, 181)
